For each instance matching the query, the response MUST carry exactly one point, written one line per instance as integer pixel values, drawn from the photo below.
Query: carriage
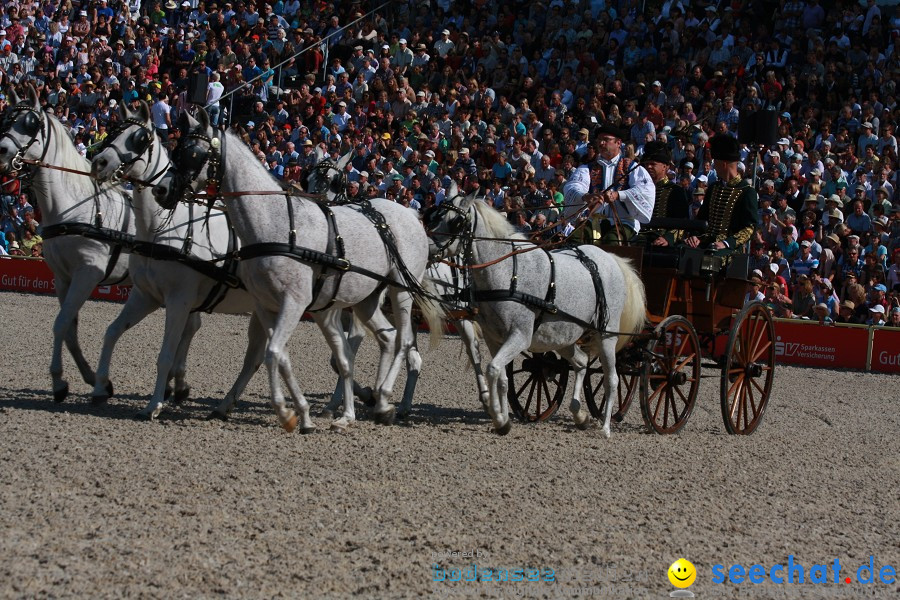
(696, 318)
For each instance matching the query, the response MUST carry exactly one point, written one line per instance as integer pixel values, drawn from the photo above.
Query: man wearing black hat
(620, 193)
(671, 199)
(731, 204)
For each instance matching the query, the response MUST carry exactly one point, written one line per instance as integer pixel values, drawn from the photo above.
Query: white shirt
(158, 114)
(635, 204)
(214, 91)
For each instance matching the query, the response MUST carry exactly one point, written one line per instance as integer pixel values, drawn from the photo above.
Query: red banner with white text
(886, 350)
(808, 343)
(34, 276)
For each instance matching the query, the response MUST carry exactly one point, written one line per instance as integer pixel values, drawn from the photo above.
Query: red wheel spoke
(658, 392)
(759, 388)
(680, 393)
(524, 385)
(676, 414)
(735, 383)
(735, 390)
(759, 352)
(667, 397)
(679, 366)
(685, 338)
(750, 400)
(530, 397)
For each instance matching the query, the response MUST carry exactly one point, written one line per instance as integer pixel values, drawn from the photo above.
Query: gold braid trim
(743, 236)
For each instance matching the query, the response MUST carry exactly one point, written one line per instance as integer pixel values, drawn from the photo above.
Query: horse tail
(634, 313)
(432, 309)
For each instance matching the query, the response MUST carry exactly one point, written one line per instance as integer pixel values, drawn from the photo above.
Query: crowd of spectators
(505, 97)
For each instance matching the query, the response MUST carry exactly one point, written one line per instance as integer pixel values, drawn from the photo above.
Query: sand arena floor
(95, 504)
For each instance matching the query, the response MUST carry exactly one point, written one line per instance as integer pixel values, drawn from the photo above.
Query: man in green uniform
(671, 199)
(731, 204)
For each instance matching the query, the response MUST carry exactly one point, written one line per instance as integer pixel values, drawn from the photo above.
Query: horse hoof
(168, 393)
(584, 425)
(340, 425)
(61, 394)
(101, 399)
(386, 417)
(109, 389)
(606, 432)
(143, 416)
(403, 414)
(181, 395)
(366, 396)
(327, 414)
(217, 416)
(307, 430)
(290, 424)
(504, 429)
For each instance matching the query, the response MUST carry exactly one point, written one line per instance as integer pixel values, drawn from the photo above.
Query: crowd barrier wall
(797, 342)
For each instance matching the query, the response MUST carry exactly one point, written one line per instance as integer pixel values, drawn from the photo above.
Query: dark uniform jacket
(730, 210)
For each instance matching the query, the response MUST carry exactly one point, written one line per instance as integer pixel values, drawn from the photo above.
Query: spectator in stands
(894, 320)
(804, 299)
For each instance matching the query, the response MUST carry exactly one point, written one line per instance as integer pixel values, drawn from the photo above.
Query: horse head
(328, 177)
(129, 144)
(448, 224)
(198, 147)
(24, 133)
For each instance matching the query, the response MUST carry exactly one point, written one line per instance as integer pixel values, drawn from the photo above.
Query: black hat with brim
(724, 147)
(610, 129)
(657, 152)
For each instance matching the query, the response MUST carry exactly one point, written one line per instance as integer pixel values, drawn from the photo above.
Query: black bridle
(336, 184)
(187, 163)
(461, 226)
(138, 143)
(34, 125)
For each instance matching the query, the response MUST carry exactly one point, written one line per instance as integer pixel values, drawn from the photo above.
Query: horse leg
(498, 407)
(136, 309)
(401, 303)
(278, 363)
(72, 295)
(578, 358)
(178, 313)
(610, 380)
(344, 358)
(413, 368)
(355, 336)
(253, 358)
(369, 312)
(179, 368)
(467, 335)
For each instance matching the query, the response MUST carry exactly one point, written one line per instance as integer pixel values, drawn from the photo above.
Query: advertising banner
(886, 350)
(35, 277)
(808, 343)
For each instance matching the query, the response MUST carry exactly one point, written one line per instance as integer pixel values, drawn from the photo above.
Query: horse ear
(124, 111)
(14, 96)
(186, 122)
(342, 162)
(144, 111)
(33, 97)
(452, 190)
(468, 201)
(203, 120)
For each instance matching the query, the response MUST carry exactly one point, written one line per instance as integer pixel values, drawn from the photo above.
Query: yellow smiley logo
(682, 573)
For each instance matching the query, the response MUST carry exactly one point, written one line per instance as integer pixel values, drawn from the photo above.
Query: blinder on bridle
(455, 227)
(137, 144)
(188, 162)
(336, 183)
(32, 125)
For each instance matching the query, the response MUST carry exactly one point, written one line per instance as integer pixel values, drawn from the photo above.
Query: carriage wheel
(749, 369)
(537, 386)
(670, 377)
(629, 378)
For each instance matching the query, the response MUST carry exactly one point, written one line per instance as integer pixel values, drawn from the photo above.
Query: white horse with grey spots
(297, 255)
(578, 302)
(182, 260)
(86, 229)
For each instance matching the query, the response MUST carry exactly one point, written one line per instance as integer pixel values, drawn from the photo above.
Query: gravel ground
(95, 504)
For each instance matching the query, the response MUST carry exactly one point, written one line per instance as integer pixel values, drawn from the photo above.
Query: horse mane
(496, 223)
(67, 153)
(236, 143)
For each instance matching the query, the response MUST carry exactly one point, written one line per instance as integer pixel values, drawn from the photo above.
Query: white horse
(531, 299)
(329, 178)
(297, 255)
(85, 228)
(181, 260)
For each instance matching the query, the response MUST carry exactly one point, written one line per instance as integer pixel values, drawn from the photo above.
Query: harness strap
(224, 275)
(119, 240)
(333, 234)
(600, 315)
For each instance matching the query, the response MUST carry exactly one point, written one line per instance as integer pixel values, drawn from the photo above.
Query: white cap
(784, 142)
(877, 309)
(656, 83)
(402, 40)
(363, 173)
